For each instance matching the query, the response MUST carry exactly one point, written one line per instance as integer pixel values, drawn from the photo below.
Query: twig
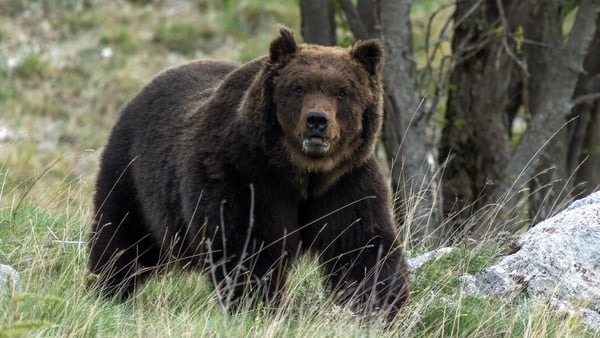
(244, 254)
(585, 98)
(507, 48)
(69, 242)
(354, 20)
(431, 57)
(14, 213)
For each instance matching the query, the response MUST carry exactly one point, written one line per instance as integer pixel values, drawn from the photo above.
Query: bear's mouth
(315, 145)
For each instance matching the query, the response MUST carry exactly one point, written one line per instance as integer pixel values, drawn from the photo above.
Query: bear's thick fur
(237, 169)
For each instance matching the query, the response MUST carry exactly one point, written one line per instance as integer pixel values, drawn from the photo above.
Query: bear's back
(184, 86)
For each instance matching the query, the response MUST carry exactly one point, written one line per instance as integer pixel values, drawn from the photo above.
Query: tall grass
(48, 248)
(59, 96)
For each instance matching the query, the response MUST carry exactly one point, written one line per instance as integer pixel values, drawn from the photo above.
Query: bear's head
(325, 103)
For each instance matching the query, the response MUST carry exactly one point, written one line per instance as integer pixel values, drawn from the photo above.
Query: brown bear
(237, 169)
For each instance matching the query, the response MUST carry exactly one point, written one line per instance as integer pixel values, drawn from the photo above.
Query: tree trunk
(482, 171)
(550, 183)
(363, 18)
(368, 11)
(588, 175)
(317, 22)
(405, 133)
(354, 20)
(475, 141)
(556, 88)
(584, 150)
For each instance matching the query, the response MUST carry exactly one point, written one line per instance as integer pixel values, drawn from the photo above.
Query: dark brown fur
(237, 169)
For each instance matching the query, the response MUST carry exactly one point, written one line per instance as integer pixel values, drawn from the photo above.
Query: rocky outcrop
(558, 258)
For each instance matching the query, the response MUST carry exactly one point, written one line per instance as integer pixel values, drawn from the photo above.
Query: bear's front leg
(352, 229)
(254, 240)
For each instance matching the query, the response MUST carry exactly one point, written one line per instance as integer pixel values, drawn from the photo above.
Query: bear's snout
(316, 122)
(318, 133)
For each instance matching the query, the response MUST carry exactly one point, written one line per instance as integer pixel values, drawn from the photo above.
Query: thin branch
(39, 177)
(507, 48)
(582, 33)
(431, 56)
(354, 20)
(585, 99)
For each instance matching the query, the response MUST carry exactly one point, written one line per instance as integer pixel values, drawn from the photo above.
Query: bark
(368, 12)
(584, 149)
(354, 20)
(475, 141)
(550, 183)
(405, 134)
(317, 22)
(588, 175)
(549, 112)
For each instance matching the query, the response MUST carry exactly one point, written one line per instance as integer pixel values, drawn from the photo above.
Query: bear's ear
(283, 46)
(370, 54)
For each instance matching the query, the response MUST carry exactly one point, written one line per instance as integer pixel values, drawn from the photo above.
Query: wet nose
(316, 121)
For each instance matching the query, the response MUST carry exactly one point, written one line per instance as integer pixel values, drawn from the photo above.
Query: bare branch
(505, 34)
(582, 33)
(354, 20)
(586, 98)
(439, 83)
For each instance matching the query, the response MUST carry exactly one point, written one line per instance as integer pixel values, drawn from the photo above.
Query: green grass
(60, 97)
(48, 249)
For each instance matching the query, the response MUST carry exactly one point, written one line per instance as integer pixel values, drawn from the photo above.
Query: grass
(48, 249)
(59, 95)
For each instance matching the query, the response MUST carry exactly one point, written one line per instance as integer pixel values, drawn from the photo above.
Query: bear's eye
(299, 91)
(341, 95)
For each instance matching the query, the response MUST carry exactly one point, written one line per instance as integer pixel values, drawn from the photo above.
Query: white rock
(558, 258)
(9, 279)
(417, 262)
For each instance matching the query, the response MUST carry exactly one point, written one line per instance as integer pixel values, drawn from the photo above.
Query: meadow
(66, 67)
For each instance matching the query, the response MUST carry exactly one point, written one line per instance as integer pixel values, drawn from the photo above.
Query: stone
(9, 279)
(558, 259)
(417, 262)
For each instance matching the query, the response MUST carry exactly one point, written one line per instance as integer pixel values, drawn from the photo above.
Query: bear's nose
(316, 121)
